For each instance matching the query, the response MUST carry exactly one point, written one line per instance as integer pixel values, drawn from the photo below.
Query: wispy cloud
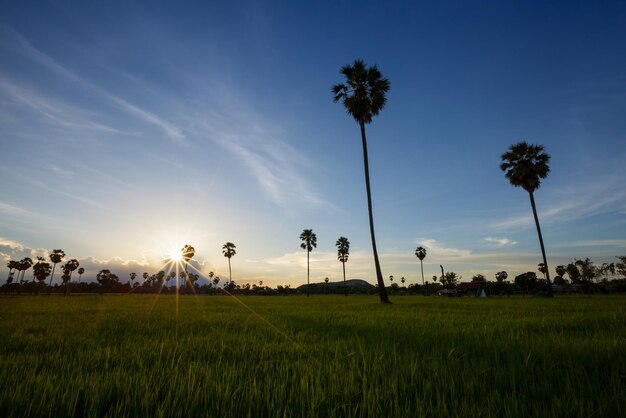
(11, 244)
(16, 41)
(499, 242)
(58, 112)
(603, 195)
(595, 243)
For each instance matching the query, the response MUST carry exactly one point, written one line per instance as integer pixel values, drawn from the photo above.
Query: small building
(470, 288)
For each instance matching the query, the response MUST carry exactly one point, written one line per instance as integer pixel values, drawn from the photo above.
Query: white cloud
(499, 242)
(11, 245)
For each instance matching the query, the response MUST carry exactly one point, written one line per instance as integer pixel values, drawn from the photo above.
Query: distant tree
(450, 279)
(107, 279)
(479, 278)
(56, 257)
(587, 270)
(573, 273)
(527, 281)
(501, 276)
(228, 250)
(68, 269)
(525, 166)
(541, 267)
(172, 277)
(391, 279)
(13, 266)
(343, 252)
(41, 270)
(363, 96)
(620, 267)
(309, 241)
(145, 276)
(402, 280)
(25, 264)
(216, 280)
(560, 270)
(80, 273)
(420, 253)
(188, 252)
(132, 275)
(326, 280)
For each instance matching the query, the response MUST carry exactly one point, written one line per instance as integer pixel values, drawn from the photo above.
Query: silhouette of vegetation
(420, 252)
(228, 250)
(364, 96)
(343, 252)
(309, 241)
(56, 256)
(525, 166)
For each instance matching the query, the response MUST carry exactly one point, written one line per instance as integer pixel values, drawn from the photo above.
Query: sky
(128, 129)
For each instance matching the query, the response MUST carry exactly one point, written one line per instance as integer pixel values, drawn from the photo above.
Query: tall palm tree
(343, 251)
(172, 275)
(25, 264)
(525, 165)
(68, 269)
(188, 252)
(363, 96)
(41, 270)
(228, 250)
(13, 265)
(420, 252)
(132, 275)
(56, 257)
(145, 276)
(309, 241)
(80, 273)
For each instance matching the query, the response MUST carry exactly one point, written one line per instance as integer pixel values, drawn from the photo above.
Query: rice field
(322, 356)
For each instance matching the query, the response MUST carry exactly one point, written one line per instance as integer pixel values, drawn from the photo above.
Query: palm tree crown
(525, 165)
(343, 249)
(229, 249)
(363, 95)
(420, 253)
(309, 240)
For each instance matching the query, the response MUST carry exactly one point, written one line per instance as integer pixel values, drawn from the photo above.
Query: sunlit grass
(317, 356)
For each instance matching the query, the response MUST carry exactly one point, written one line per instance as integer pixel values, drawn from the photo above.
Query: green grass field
(319, 356)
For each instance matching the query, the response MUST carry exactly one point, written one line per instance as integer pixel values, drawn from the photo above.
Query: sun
(175, 255)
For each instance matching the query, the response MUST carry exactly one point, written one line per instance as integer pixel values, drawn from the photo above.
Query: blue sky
(130, 128)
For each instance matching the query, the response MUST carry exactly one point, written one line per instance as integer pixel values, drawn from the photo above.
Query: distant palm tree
(309, 241)
(542, 268)
(228, 250)
(420, 253)
(41, 269)
(80, 273)
(68, 269)
(561, 270)
(402, 279)
(13, 265)
(188, 252)
(145, 276)
(391, 278)
(216, 280)
(56, 257)
(343, 252)
(25, 264)
(525, 166)
(172, 276)
(132, 276)
(363, 96)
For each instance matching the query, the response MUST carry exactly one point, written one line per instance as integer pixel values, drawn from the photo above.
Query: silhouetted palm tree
(187, 253)
(68, 269)
(56, 257)
(228, 250)
(343, 251)
(309, 241)
(525, 166)
(402, 279)
(25, 264)
(13, 265)
(132, 276)
(80, 273)
(172, 276)
(145, 276)
(560, 270)
(41, 270)
(420, 253)
(363, 96)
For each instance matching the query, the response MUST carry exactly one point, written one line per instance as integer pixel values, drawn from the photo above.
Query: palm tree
(56, 257)
(80, 273)
(188, 252)
(309, 241)
(68, 269)
(420, 252)
(172, 275)
(228, 250)
(363, 96)
(25, 264)
(343, 251)
(41, 270)
(132, 275)
(13, 265)
(561, 270)
(525, 166)
(402, 279)
(145, 276)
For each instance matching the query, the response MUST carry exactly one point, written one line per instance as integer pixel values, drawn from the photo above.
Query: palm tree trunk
(422, 267)
(52, 275)
(307, 273)
(543, 250)
(230, 272)
(344, 277)
(379, 275)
